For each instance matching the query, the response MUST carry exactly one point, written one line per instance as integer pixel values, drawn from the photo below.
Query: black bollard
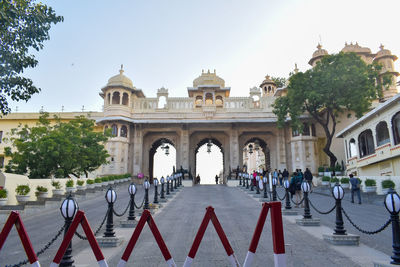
(155, 181)
(240, 178)
(68, 215)
(257, 185)
(274, 182)
(111, 197)
(175, 179)
(338, 194)
(392, 204)
(286, 184)
(247, 181)
(305, 186)
(251, 182)
(171, 178)
(132, 193)
(146, 185)
(162, 180)
(168, 185)
(265, 187)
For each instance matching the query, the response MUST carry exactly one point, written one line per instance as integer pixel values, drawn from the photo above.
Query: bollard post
(265, 187)
(274, 182)
(146, 185)
(162, 180)
(258, 188)
(392, 204)
(251, 182)
(172, 183)
(168, 185)
(68, 210)
(338, 194)
(286, 184)
(175, 179)
(240, 178)
(155, 181)
(111, 197)
(132, 192)
(305, 186)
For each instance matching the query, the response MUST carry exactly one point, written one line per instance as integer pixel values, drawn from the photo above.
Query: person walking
(285, 174)
(308, 177)
(355, 188)
(216, 179)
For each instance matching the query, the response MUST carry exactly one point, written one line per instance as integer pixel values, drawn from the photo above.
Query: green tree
(60, 149)
(338, 84)
(23, 25)
(279, 81)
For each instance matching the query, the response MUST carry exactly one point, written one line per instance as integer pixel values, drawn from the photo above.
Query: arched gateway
(142, 124)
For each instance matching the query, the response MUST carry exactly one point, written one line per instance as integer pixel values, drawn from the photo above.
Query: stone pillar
(390, 129)
(184, 148)
(137, 149)
(234, 147)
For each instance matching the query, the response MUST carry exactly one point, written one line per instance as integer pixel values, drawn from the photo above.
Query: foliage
(61, 149)
(344, 180)
(80, 182)
(338, 84)
(321, 169)
(279, 81)
(3, 193)
(24, 26)
(69, 183)
(22, 190)
(388, 184)
(104, 179)
(326, 178)
(41, 189)
(90, 181)
(56, 184)
(338, 168)
(370, 182)
(334, 180)
(97, 180)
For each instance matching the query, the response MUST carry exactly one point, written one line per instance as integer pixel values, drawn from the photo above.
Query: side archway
(153, 149)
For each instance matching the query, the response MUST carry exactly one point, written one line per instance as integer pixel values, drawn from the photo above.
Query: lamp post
(392, 204)
(171, 178)
(168, 185)
(257, 181)
(132, 193)
(286, 185)
(247, 180)
(68, 210)
(338, 194)
(111, 197)
(305, 187)
(146, 186)
(240, 178)
(251, 182)
(265, 187)
(155, 181)
(274, 182)
(162, 181)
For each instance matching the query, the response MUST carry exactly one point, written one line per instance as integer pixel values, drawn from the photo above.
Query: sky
(168, 43)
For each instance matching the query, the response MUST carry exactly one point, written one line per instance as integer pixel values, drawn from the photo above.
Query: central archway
(209, 161)
(256, 155)
(162, 158)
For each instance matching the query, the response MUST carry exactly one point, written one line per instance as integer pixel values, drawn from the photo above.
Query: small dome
(267, 81)
(356, 48)
(208, 79)
(384, 53)
(319, 52)
(120, 80)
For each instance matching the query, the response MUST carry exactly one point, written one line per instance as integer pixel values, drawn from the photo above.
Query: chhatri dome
(319, 53)
(355, 48)
(208, 78)
(120, 80)
(384, 53)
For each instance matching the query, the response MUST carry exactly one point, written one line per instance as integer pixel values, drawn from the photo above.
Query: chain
(294, 202)
(96, 232)
(40, 252)
(139, 207)
(321, 212)
(122, 214)
(281, 199)
(364, 231)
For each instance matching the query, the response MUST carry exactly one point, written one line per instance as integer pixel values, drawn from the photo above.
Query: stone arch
(263, 145)
(116, 98)
(125, 99)
(396, 128)
(156, 144)
(366, 143)
(382, 133)
(209, 99)
(214, 141)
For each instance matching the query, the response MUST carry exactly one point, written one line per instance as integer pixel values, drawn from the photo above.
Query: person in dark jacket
(355, 188)
(308, 177)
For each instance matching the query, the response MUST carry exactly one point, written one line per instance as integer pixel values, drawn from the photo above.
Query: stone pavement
(238, 212)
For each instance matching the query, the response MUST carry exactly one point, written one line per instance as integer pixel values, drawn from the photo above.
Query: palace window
(115, 98)
(199, 101)
(382, 134)
(124, 131)
(108, 98)
(219, 101)
(295, 133)
(1, 161)
(396, 128)
(313, 131)
(306, 129)
(209, 99)
(114, 130)
(352, 148)
(366, 143)
(125, 99)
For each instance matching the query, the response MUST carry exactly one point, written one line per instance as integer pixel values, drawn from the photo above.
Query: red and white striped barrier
(146, 217)
(80, 218)
(277, 235)
(210, 215)
(15, 219)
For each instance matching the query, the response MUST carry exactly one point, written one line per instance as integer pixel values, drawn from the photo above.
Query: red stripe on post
(7, 227)
(159, 239)
(277, 228)
(135, 235)
(200, 233)
(92, 239)
(221, 233)
(259, 227)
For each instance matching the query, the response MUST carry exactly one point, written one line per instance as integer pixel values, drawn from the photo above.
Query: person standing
(308, 177)
(280, 177)
(285, 174)
(355, 188)
(216, 179)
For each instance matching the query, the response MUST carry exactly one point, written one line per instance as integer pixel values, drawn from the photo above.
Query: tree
(339, 83)
(61, 149)
(23, 25)
(279, 81)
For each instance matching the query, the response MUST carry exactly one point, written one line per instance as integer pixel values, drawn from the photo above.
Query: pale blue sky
(168, 43)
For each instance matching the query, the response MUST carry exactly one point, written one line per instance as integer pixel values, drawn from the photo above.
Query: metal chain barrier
(294, 202)
(321, 212)
(122, 214)
(139, 207)
(40, 252)
(365, 231)
(97, 231)
(277, 195)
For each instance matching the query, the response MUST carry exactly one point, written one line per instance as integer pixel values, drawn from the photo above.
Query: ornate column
(390, 129)
(184, 148)
(234, 147)
(137, 149)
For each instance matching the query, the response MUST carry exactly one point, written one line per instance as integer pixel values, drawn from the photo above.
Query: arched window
(209, 99)
(269, 89)
(105, 128)
(366, 143)
(114, 130)
(108, 98)
(295, 133)
(115, 98)
(396, 128)
(124, 131)
(313, 131)
(162, 102)
(382, 133)
(125, 99)
(219, 101)
(306, 129)
(352, 148)
(199, 101)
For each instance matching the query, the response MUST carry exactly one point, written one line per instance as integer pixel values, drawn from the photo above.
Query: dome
(267, 81)
(384, 53)
(208, 78)
(356, 48)
(120, 80)
(319, 52)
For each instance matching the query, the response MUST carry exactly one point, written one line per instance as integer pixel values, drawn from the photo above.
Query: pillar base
(384, 263)
(162, 200)
(128, 224)
(342, 240)
(107, 242)
(308, 222)
(289, 212)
